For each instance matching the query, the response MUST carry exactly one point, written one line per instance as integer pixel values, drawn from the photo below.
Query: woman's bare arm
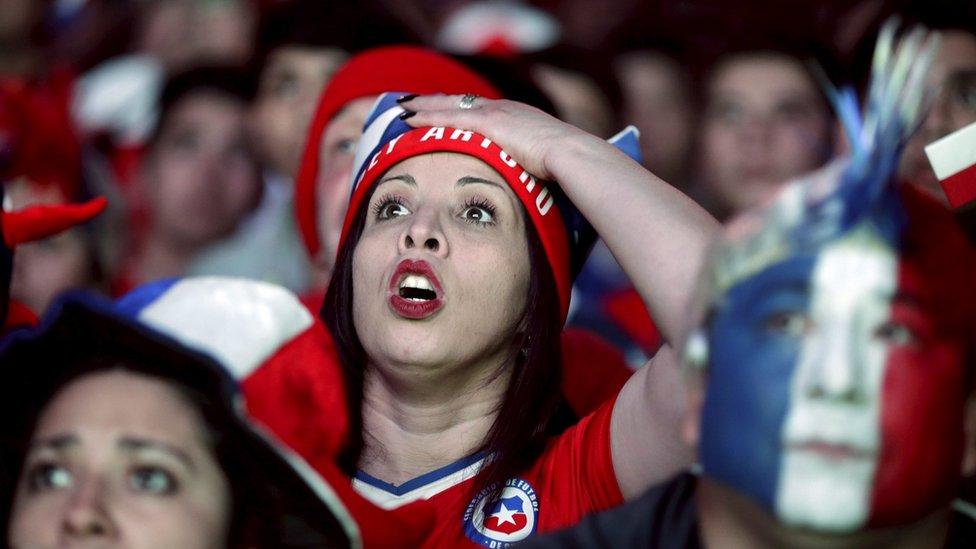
(658, 235)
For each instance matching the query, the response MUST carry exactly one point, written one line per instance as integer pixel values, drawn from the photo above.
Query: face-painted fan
(836, 327)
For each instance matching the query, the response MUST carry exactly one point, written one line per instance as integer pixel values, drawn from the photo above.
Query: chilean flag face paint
(832, 399)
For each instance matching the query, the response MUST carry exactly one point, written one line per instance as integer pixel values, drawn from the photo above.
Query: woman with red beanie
(322, 191)
(446, 304)
(322, 181)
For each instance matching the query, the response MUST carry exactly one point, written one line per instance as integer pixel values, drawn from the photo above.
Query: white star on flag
(504, 515)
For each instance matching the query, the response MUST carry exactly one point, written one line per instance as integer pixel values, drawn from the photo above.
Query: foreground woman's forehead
(129, 404)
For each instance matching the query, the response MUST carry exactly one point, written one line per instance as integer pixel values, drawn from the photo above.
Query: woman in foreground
(450, 288)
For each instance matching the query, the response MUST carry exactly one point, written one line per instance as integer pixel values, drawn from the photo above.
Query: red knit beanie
(369, 73)
(387, 140)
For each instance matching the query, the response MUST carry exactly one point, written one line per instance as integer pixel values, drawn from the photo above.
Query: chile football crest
(509, 519)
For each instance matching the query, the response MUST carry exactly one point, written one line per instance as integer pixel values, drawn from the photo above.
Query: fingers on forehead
(432, 101)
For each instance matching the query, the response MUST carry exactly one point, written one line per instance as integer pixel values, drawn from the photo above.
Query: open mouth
(415, 292)
(416, 288)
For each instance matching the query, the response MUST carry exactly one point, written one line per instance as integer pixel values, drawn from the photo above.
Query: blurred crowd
(192, 116)
(224, 134)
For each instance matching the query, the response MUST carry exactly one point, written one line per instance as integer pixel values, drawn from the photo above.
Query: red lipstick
(415, 292)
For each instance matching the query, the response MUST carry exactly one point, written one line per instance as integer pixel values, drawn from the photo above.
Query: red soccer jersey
(572, 478)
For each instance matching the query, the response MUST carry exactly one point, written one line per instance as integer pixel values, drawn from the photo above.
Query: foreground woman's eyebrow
(128, 443)
(469, 179)
(406, 178)
(55, 442)
(137, 444)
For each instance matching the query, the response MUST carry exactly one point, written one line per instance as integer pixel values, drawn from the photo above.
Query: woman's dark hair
(347, 26)
(234, 83)
(526, 415)
(256, 506)
(814, 61)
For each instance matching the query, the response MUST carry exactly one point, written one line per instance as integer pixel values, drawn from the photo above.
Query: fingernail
(406, 114)
(407, 97)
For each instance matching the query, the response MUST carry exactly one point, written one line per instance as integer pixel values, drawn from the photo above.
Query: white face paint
(832, 430)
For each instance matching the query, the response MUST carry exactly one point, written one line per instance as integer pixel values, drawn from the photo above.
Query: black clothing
(665, 517)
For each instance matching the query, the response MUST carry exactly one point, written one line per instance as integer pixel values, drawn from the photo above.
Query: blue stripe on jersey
(752, 358)
(422, 480)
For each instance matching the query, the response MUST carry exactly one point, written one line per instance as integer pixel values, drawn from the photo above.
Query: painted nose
(837, 371)
(424, 232)
(86, 515)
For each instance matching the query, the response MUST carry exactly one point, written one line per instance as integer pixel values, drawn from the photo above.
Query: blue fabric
(131, 304)
(382, 125)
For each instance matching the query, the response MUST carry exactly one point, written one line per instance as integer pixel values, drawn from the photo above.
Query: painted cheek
(922, 432)
(922, 404)
(745, 405)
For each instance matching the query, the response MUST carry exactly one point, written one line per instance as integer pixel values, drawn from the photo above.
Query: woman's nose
(424, 233)
(431, 244)
(87, 512)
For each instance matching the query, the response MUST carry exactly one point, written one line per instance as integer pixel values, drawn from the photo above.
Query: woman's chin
(410, 345)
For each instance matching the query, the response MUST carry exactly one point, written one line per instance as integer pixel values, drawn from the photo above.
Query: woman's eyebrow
(56, 442)
(469, 179)
(136, 444)
(406, 178)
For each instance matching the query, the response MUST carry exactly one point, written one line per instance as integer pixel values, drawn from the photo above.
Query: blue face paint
(753, 352)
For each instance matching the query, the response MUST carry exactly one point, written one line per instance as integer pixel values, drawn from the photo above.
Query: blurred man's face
(336, 155)
(953, 78)
(200, 178)
(45, 268)
(834, 399)
(577, 98)
(186, 33)
(764, 124)
(656, 101)
(291, 83)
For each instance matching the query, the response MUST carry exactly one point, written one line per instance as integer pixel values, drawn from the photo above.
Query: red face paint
(923, 396)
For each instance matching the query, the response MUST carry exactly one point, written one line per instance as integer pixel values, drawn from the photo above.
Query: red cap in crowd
(369, 73)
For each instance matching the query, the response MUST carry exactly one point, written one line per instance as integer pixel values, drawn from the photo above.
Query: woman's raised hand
(532, 137)
(658, 235)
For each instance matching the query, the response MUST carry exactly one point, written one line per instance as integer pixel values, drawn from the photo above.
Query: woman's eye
(152, 480)
(347, 146)
(184, 141)
(895, 334)
(286, 86)
(727, 113)
(238, 150)
(477, 214)
(48, 476)
(391, 210)
(791, 323)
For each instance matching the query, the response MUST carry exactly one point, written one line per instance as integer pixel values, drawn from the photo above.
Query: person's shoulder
(664, 516)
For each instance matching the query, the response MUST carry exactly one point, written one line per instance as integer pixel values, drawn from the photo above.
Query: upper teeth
(416, 281)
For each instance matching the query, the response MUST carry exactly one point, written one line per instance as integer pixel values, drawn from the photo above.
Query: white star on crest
(504, 515)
